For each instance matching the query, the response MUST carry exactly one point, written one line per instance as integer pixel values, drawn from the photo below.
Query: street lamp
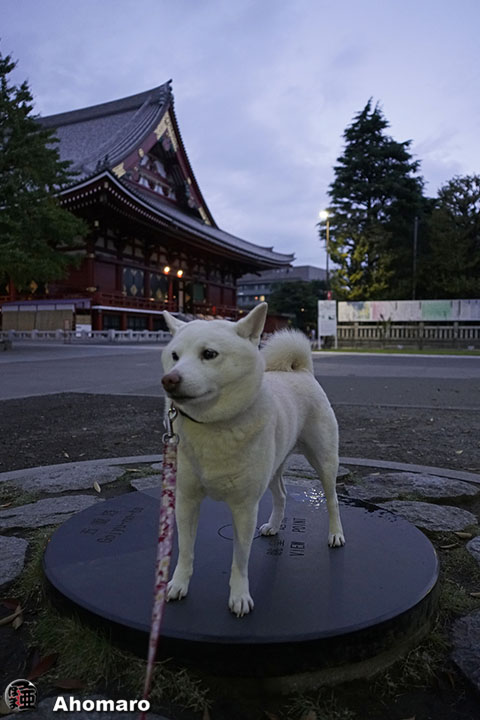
(324, 216)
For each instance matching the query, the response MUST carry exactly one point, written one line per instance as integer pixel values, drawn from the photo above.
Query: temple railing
(208, 310)
(87, 336)
(119, 300)
(129, 301)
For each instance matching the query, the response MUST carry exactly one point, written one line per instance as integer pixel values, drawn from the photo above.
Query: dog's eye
(174, 356)
(209, 354)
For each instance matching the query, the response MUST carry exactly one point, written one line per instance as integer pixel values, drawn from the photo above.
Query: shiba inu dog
(242, 411)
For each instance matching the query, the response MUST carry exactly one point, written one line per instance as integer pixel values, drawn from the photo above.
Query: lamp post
(324, 216)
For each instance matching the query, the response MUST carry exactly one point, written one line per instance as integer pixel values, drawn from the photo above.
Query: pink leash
(164, 547)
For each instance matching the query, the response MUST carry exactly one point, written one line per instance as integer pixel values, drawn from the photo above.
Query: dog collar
(184, 414)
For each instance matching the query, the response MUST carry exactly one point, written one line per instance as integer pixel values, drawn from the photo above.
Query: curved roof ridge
(194, 179)
(116, 147)
(132, 102)
(214, 233)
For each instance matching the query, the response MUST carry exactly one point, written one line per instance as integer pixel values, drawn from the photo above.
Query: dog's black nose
(171, 381)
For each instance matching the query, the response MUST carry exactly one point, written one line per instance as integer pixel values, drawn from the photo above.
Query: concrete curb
(147, 459)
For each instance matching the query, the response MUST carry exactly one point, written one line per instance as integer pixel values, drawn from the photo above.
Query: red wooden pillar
(118, 277)
(123, 321)
(119, 266)
(97, 320)
(206, 285)
(150, 323)
(90, 264)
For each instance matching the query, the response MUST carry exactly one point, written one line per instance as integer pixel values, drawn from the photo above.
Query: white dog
(241, 413)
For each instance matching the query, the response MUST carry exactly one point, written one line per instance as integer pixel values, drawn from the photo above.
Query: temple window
(133, 282)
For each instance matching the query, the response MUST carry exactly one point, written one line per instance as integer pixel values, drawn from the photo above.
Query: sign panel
(327, 318)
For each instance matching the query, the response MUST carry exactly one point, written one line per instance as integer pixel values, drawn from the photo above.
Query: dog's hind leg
(319, 443)
(279, 494)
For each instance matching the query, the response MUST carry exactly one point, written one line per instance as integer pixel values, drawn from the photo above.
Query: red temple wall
(215, 295)
(105, 276)
(229, 297)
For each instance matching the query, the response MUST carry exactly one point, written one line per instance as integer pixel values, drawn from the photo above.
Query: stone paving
(466, 643)
(473, 547)
(58, 478)
(439, 518)
(50, 511)
(414, 495)
(389, 486)
(12, 554)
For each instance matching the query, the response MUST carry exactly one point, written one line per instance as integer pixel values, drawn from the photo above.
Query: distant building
(257, 287)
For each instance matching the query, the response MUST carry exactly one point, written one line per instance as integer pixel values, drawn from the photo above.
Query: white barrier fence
(79, 336)
(348, 335)
(420, 334)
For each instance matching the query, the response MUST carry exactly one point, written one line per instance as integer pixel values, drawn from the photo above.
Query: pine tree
(34, 229)
(375, 197)
(452, 265)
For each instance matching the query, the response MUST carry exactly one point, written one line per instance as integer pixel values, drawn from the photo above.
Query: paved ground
(31, 369)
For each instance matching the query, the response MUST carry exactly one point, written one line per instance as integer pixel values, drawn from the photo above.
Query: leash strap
(164, 546)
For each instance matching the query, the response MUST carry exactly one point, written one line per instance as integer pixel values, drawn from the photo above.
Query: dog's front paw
(176, 590)
(240, 605)
(336, 539)
(269, 529)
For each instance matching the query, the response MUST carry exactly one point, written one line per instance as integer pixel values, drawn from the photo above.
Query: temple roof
(214, 234)
(113, 137)
(105, 134)
(166, 214)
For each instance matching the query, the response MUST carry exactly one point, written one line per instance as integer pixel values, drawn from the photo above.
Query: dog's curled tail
(287, 351)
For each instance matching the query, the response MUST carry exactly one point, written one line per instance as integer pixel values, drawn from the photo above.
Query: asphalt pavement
(437, 381)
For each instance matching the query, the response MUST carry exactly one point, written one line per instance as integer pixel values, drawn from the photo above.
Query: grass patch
(87, 655)
(460, 576)
(12, 496)
(130, 474)
(403, 351)
(423, 664)
(322, 705)
(30, 585)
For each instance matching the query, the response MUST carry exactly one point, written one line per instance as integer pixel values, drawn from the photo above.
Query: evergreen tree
(34, 229)
(375, 197)
(452, 265)
(298, 299)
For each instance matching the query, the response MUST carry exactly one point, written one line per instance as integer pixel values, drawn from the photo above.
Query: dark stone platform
(315, 607)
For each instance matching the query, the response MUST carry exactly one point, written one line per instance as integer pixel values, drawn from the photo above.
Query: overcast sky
(265, 88)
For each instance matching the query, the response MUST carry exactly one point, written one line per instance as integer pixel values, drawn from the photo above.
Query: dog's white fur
(251, 409)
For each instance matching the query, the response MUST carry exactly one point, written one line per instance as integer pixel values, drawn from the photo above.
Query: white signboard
(409, 311)
(327, 318)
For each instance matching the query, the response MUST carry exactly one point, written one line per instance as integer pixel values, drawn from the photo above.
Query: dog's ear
(173, 323)
(251, 326)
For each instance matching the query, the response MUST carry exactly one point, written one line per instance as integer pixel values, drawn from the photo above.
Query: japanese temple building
(153, 243)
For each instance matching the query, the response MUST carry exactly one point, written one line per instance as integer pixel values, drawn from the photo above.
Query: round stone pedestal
(315, 607)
